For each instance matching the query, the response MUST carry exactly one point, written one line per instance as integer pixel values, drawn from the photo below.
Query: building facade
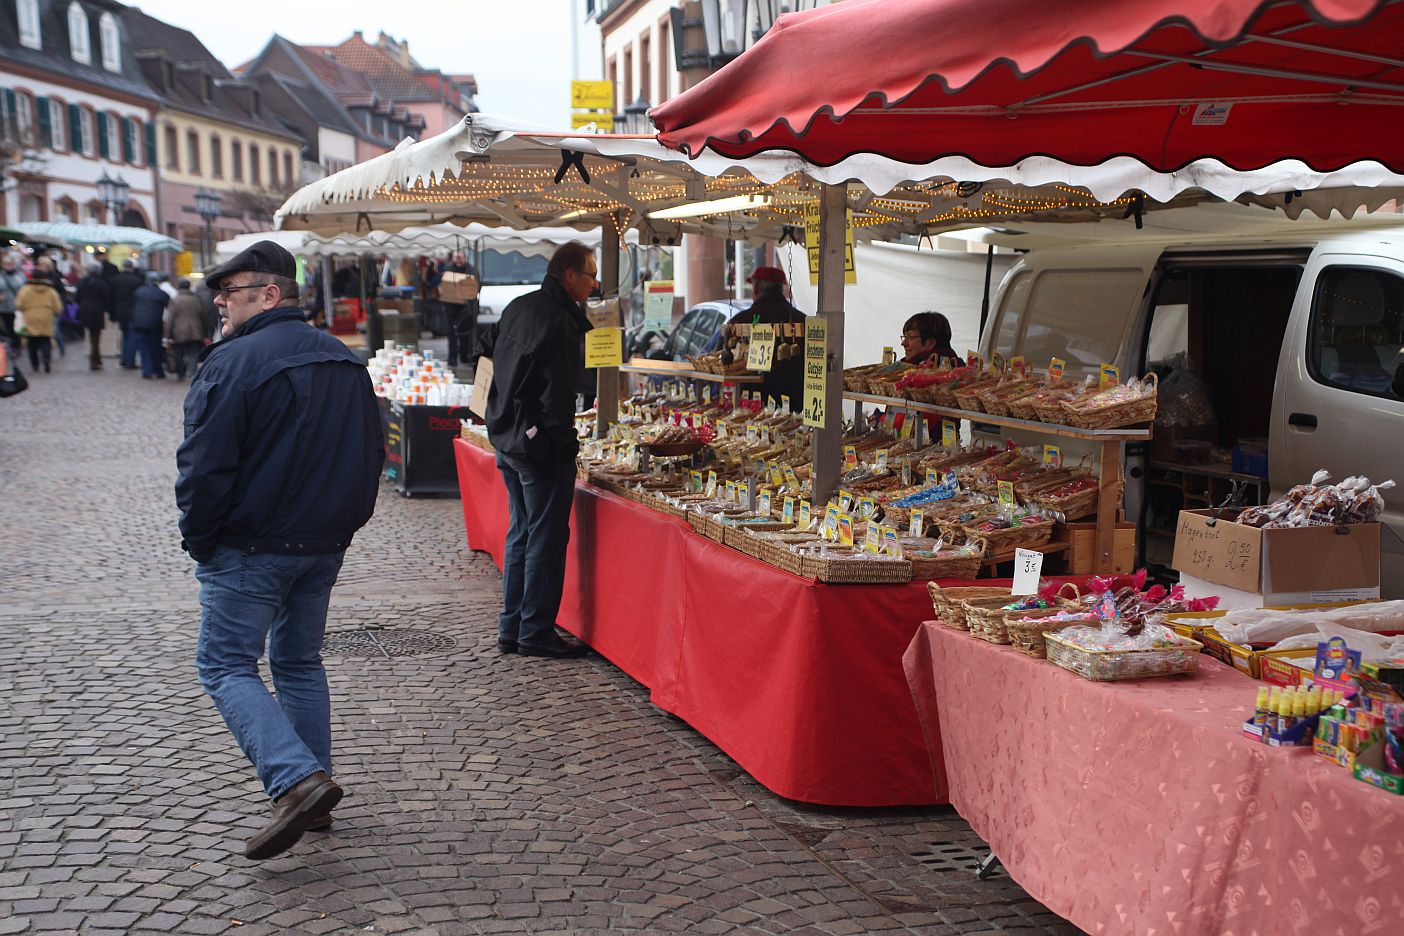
(73, 108)
(212, 134)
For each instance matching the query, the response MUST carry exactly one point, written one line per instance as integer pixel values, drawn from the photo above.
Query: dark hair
(762, 288)
(932, 326)
(568, 256)
(287, 286)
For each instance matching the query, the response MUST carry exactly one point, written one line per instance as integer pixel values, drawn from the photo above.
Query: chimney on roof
(404, 53)
(358, 35)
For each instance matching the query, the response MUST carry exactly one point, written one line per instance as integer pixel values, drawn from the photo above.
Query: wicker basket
(1107, 665)
(1127, 413)
(889, 388)
(1079, 505)
(1049, 409)
(967, 397)
(995, 401)
(855, 379)
(714, 529)
(859, 570)
(948, 567)
(1028, 630)
(949, 603)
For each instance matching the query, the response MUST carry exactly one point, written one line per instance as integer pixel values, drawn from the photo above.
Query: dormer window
(78, 42)
(111, 43)
(28, 11)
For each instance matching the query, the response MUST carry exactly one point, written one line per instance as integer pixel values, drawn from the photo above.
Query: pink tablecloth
(1138, 807)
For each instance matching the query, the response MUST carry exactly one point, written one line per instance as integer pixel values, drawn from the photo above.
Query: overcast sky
(519, 50)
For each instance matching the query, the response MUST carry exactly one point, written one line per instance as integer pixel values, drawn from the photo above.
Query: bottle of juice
(1260, 710)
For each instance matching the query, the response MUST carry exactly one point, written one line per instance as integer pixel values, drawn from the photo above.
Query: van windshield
(510, 268)
(1081, 316)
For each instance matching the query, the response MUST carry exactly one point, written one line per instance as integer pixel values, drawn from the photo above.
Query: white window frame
(58, 124)
(79, 40)
(114, 137)
(111, 43)
(87, 121)
(28, 13)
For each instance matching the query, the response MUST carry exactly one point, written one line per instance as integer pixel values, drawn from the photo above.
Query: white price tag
(1028, 567)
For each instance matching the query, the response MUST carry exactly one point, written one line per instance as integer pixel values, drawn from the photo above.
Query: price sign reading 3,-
(762, 353)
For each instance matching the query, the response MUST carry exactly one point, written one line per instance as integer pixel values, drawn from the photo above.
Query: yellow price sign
(185, 263)
(804, 515)
(596, 95)
(1056, 368)
(933, 477)
(949, 436)
(762, 353)
(763, 504)
(603, 120)
(1053, 455)
(787, 512)
(850, 456)
(697, 482)
(872, 540)
(916, 525)
(790, 477)
(816, 361)
(881, 464)
(890, 543)
(1110, 376)
(1006, 493)
(866, 507)
(604, 347)
(845, 529)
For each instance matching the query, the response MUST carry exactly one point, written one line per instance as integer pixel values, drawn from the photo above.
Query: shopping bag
(11, 378)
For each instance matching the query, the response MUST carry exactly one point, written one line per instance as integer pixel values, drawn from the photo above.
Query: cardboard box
(1311, 565)
(458, 288)
(1370, 767)
(1274, 666)
(1081, 555)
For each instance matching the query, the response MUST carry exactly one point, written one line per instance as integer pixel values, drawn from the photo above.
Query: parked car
(693, 333)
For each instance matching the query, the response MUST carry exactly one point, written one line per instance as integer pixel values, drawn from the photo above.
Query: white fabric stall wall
(896, 281)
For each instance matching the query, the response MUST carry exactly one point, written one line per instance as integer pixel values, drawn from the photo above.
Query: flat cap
(265, 256)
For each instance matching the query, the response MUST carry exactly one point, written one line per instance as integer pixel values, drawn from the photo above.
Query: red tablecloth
(1139, 807)
(799, 682)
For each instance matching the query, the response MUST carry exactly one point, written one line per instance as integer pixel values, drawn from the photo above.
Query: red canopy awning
(997, 81)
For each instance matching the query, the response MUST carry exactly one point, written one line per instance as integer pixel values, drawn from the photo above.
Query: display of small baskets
(1028, 630)
(967, 396)
(948, 567)
(995, 400)
(1048, 406)
(1107, 665)
(1086, 413)
(858, 569)
(855, 379)
(950, 604)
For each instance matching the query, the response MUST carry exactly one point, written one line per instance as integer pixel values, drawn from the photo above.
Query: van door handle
(1305, 420)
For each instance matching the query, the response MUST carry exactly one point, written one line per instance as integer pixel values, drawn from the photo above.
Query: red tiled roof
(387, 76)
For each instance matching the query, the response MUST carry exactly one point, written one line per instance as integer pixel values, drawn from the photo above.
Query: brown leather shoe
(320, 825)
(310, 799)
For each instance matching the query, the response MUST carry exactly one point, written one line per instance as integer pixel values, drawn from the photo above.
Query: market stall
(1139, 807)
(807, 696)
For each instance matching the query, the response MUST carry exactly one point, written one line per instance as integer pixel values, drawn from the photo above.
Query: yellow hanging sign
(816, 360)
(762, 353)
(604, 347)
(811, 245)
(596, 95)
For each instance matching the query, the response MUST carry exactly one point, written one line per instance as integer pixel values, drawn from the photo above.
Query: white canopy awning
(69, 234)
(438, 240)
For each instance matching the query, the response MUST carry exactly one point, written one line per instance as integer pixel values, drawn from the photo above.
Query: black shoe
(309, 800)
(145, 376)
(506, 646)
(560, 650)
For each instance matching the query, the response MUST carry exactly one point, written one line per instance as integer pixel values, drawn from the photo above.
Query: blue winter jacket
(283, 443)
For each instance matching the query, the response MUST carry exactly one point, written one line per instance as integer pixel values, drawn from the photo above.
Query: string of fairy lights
(534, 193)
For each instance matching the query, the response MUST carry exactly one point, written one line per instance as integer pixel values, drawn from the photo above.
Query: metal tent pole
(833, 221)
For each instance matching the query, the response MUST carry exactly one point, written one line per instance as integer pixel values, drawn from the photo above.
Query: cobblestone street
(485, 794)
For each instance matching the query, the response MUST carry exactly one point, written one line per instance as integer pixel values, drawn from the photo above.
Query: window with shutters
(86, 123)
(254, 174)
(111, 41)
(114, 137)
(287, 168)
(58, 124)
(172, 154)
(192, 152)
(131, 141)
(216, 156)
(79, 43)
(236, 160)
(28, 11)
(24, 117)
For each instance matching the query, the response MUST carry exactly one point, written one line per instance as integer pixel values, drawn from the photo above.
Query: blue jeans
(249, 600)
(533, 565)
(127, 348)
(153, 356)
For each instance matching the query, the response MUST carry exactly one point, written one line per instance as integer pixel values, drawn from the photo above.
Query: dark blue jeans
(250, 601)
(127, 348)
(539, 497)
(153, 356)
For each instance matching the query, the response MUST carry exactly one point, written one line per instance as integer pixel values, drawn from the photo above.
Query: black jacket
(785, 378)
(537, 367)
(94, 301)
(283, 445)
(149, 306)
(124, 286)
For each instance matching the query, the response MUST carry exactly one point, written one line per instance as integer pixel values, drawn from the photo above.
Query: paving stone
(485, 793)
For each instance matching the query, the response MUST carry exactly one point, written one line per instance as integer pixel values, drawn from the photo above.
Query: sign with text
(658, 305)
(604, 347)
(1028, 566)
(762, 353)
(816, 360)
(811, 245)
(603, 121)
(594, 95)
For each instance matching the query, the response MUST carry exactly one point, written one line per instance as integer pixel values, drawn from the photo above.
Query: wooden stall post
(1108, 502)
(607, 378)
(833, 222)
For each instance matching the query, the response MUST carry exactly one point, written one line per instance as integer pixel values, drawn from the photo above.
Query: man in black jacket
(124, 286)
(785, 377)
(279, 468)
(530, 419)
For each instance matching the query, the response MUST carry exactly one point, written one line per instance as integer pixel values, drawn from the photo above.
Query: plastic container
(1250, 461)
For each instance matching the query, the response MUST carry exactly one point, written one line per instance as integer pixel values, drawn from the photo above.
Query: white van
(1296, 327)
(503, 276)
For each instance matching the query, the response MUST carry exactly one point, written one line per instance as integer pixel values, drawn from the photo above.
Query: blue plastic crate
(1250, 461)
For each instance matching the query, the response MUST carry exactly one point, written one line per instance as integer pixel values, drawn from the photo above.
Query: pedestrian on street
(148, 313)
(187, 329)
(537, 364)
(124, 286)
(94, 309)
(11, 282)
(39, 303)
(279, 468)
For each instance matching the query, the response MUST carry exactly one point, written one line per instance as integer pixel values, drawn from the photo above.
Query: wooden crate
(1081, 555)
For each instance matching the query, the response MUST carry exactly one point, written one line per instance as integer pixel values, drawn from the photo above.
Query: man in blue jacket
(279, 468)
(148, 312)
(537, 363)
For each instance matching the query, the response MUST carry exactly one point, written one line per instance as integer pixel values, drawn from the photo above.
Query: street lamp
(115, 194)
(636, 117)
(724, 22)
(207, 206)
